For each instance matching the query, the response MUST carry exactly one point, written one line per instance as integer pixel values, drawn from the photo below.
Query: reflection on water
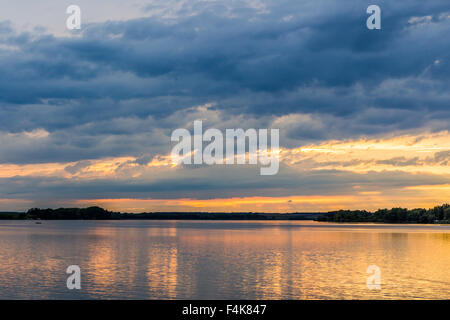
(222, 260)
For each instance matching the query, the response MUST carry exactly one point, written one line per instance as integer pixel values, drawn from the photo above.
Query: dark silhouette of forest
(438, 214)
(97, 213)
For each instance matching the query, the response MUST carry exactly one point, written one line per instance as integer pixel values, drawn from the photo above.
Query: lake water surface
(222, 260)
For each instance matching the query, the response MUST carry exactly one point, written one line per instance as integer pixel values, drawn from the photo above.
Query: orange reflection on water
(223, 260)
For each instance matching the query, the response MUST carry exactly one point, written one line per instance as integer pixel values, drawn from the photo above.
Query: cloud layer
(114, 92)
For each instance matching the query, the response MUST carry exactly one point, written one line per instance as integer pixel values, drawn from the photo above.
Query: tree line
(97, 213)
(438, 214)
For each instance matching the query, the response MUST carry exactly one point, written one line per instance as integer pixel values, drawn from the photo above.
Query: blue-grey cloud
(106, 91)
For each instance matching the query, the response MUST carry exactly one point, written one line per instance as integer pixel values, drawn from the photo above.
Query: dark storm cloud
(313, 57)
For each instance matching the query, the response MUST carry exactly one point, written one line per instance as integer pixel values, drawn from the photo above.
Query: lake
(223, 260)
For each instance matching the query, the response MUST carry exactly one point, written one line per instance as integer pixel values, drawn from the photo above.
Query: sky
(86, 115)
